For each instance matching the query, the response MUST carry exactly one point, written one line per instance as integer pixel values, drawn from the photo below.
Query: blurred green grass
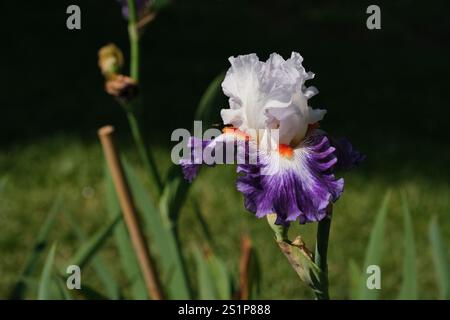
(71, 167)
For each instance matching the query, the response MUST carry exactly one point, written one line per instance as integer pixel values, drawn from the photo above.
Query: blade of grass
(203, 224)
(90, 293)
(354, 273)
(20, 287)
(44, 291)
(101, 269)
(374, 249)
(63, 291)
(221, 277)
(440, 259)
(173, 196)
(205, 280)
(409, 285)
(84, 254)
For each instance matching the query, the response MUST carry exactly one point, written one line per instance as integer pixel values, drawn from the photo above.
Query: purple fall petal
(302, 191)
(192, 165)
(347, 156)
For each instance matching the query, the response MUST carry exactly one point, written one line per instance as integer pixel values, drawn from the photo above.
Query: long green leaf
(207, 289)
(102, 270)
(203, 224)
(208, 100)
(440, 258)
(354, 274)
(84, 254)
(63, 290)
(90, 293)
(20, 287)
(45, 284)
(127, 256)
(409, 285)
(221, 277)
(173, 196)
(176, 187)
(374, 250)
(163, 238)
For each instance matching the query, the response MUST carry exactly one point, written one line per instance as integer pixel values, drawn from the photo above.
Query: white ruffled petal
(315, 115)
(232, 116)
(271, 94)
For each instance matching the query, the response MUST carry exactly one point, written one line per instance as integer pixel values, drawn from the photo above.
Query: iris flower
(294, 174)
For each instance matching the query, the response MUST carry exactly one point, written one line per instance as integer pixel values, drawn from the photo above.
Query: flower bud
(110, 60)
(122, 87)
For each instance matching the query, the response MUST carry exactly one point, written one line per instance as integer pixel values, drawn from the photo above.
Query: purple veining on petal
(191, 166)
(221, 150)
(348, 157)
(291, 193)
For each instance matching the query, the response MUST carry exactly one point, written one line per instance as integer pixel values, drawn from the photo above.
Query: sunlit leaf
(207, 289)
(374, 250)
(354, 273)
(45, 283)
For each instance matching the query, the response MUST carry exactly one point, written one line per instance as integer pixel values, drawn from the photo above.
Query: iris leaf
(213, 280)
(208, 101)
(355, 279)
(374, 250)
(440, 258)
(41, 243)
(88, 249)
(409, 285)
(101, 269)
(163, 240)
(45, 284)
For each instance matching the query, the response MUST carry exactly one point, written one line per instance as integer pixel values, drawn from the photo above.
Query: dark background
(385, 89)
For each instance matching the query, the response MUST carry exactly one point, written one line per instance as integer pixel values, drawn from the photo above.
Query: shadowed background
(386, 90)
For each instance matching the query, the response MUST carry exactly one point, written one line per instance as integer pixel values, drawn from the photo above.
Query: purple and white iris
(294, 173)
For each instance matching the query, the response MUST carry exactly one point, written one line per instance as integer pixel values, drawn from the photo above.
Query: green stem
(281, 232)
(142, 147)
(320, 257)
(146, 157)
(134, 40)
